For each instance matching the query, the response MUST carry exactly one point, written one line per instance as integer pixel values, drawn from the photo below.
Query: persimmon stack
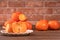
(17, 24)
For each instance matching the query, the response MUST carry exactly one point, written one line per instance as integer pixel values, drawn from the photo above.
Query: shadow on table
(18, 35)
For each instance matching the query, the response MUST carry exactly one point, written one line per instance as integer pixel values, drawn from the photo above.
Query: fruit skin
(15, 16)
(19, 27)
(53, 24)
(42, 25)
(29, 25)
(8, 28)
(22, 17)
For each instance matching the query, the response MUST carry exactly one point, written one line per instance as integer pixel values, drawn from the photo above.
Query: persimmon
(15, 16)
(22, 17)
(29, 25)
(19, 27)
(15, 27)
(42, 25)
(8, 28)
(53, 24)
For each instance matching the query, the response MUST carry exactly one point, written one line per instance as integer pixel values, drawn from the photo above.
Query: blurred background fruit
(42, 25)
(53, 24)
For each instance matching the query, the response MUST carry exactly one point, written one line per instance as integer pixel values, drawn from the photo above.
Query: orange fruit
(15, 16)
(22, 17)
(42, 25)
(15, 27)
(53, 24)
(29, 25)
(19, 27)
(8, 28)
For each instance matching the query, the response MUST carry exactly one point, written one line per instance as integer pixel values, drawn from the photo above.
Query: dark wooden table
(36, 35)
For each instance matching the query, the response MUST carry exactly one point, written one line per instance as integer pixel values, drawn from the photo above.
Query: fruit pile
(17, 24)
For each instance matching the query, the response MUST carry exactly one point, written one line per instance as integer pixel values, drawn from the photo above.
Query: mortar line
(44, 8)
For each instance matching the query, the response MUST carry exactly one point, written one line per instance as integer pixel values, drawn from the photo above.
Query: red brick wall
(33, 9)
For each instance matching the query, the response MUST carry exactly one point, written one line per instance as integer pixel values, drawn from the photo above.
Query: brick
(53, 17)
(1, 17)
(1, 23)
(7, 10)
(34, 17)
(13, 0)
(50, 4)
(8, 16)
(30, 0)
(39, 11)
(48, 10)
(58, 4)
(3, 3)
(56, 10)
(31, 10)
(16, 4)
(4, 11)
(33, 4)
(4, 17)
(51, 0)
(1, 10)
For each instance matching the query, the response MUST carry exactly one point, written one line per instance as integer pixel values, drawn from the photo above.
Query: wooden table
(36, 35)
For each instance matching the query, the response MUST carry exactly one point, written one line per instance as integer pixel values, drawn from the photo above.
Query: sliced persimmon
(22, 17)
(19, 27)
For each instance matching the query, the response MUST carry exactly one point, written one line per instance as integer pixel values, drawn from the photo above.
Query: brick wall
(33, 9)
